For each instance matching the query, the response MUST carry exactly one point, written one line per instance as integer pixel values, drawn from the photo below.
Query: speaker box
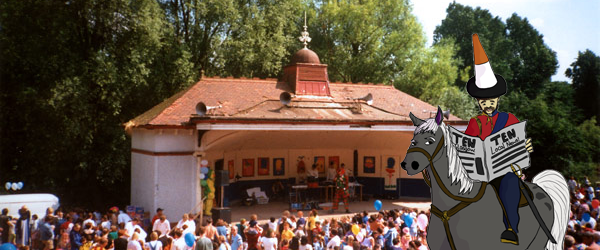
(222, 178)
(223, 213)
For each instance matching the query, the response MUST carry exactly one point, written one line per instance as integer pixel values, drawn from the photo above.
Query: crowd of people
(583, 232)
(389, 230)
(116, 230)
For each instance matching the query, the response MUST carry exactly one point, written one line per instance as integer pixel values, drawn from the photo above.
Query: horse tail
(556, 186)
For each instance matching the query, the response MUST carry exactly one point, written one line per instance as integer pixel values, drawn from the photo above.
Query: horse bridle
(464, 202)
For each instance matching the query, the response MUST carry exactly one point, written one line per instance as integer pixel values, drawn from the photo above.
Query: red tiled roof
(238, 96)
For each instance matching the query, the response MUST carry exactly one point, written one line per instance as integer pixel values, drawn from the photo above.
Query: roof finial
(305, 38)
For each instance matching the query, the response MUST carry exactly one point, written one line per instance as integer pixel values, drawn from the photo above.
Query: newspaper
(485, 160)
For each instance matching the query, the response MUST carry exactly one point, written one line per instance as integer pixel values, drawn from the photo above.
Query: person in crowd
(211, 231)
(203, 242)
(178, 240)
(335, 240)
(47, 234)
(221, 227)
(22, 227)
(154, 243)
(134, 243)
(159, 212)
(268, 242)
(162, 225)
(120, 243)
(222, 242)
(253, 233)
(235, 239)
(304, 244)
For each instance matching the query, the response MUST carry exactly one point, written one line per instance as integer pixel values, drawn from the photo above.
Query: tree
(460, 24)
(366, 41)
(531, 61)
(585, 74)
(552, 124)
(516, 50)
(68, 84)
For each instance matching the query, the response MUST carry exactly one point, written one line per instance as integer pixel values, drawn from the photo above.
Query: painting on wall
(334, 162)
(390, 171)
(263, 166)
(320, 161)
(248, 167)
(369, 164)
(231, 169)
(278, 166)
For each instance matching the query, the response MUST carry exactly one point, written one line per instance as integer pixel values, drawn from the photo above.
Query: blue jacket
(75, 238)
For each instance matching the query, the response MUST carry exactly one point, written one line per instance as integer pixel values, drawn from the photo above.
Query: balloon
(204, 163)
(7, 185)
(202, 176)
(585, 217)
(422, 222)
(377, 205)
(355, 229)
(20, 185)
(8, 246)
(204, 170)
(595, 203)
(14, 186)
(190, 239)
(408, 219)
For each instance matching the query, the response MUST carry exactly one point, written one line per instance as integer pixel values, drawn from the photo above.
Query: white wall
(162, 180)
(143, 181)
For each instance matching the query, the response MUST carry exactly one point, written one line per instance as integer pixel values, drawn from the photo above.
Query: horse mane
(456, 170)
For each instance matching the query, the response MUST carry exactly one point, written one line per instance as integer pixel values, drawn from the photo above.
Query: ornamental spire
(305, 39)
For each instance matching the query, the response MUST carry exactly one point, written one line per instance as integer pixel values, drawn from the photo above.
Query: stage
(275, 208)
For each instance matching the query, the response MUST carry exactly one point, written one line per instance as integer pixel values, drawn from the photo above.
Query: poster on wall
(369, 164)
(248, 167)
(320, 162)
(334, 162)
(231, 169)
(278, 166)
(391, 171)
(263, 166)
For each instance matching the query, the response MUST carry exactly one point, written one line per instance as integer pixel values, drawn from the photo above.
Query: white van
(36, 203)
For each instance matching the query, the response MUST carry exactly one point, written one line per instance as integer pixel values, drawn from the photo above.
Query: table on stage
(328, 189)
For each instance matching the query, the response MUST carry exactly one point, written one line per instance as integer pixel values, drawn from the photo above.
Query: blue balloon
(204, 170)
(190, 239)
(8, 246)
(586, 217)
(377, 205)
(408, 219)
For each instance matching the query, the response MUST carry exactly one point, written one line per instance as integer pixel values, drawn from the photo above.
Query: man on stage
(341, 189)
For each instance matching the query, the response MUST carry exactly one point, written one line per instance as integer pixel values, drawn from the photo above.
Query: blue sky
(568, 26)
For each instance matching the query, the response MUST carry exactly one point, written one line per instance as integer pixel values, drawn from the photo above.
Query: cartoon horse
(466, 213)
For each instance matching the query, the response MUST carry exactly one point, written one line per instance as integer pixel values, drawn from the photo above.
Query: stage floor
(275, 208)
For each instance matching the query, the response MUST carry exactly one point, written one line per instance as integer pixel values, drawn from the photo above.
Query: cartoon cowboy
(341, 189)
(487, 88)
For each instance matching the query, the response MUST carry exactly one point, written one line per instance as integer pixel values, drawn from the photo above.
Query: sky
(568, 26)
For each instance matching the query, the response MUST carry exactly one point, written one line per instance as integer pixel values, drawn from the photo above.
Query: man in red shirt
(487, 88)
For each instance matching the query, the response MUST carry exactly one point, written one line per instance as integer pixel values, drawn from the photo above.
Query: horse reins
(464, 202)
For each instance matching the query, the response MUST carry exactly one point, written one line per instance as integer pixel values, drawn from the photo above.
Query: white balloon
(14, 186)
(20, 185)
(204, 163)
(7, 185)
(202, 176)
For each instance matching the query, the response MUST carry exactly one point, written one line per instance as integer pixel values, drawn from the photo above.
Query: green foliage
(585, 73)
(70, 82)
(366, 41)
(516, 50)
(552, 123)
